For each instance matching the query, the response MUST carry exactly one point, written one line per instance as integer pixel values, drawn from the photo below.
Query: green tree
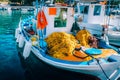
(13, 1)
(28, 2)
(59, 1)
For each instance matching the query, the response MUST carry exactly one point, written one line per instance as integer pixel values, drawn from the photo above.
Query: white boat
(98, 14)
(107, 68)
(113, 34)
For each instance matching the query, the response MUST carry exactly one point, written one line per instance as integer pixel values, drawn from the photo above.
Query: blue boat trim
(93, 51)
(60, 61)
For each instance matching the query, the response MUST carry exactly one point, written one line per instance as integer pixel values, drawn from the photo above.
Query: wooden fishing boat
(102, 62)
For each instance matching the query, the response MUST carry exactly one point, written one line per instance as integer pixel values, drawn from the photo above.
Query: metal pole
(37, 6)
(109, 13)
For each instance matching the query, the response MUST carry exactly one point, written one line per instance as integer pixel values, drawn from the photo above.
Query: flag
(41, 20)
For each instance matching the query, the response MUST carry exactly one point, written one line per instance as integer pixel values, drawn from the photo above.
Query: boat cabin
(97, 14)
(59, 19)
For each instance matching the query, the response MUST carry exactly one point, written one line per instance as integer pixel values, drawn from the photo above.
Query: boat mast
(37, 6)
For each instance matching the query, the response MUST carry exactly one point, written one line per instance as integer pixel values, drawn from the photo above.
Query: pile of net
(61, 44)
(83, 37)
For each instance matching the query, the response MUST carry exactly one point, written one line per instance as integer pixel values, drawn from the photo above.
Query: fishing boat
(52, 29)
(99, 14)
(113, 35)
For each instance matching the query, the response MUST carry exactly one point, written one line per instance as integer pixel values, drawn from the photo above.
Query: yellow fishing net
(61, 44)
(83, 37)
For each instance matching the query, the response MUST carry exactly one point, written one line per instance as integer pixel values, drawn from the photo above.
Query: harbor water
(14, 67)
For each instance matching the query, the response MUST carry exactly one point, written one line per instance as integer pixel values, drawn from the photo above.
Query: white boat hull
(112, 69)
(94, 70)
(114, 37)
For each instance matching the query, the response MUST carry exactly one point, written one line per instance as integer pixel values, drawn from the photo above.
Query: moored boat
(99, 14)
(39, 37)
(113, 34)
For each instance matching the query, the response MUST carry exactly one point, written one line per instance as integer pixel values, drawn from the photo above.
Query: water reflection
(12, 64)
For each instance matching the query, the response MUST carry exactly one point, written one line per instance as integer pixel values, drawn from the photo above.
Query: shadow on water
(36, 69)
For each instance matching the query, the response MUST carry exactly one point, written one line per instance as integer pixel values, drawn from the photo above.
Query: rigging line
(98, 63)
(102, 69)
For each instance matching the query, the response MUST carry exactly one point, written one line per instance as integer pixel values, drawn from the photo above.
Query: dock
(16, 7)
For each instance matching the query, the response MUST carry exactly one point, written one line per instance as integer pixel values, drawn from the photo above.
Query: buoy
(27, 49)
(18, 36)
(21, 41)
(17, 32)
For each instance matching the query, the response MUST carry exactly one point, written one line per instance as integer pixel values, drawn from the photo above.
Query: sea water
(12, 64)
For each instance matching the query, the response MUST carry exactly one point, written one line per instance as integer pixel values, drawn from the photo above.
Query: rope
(102, 68)
(98, 64)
